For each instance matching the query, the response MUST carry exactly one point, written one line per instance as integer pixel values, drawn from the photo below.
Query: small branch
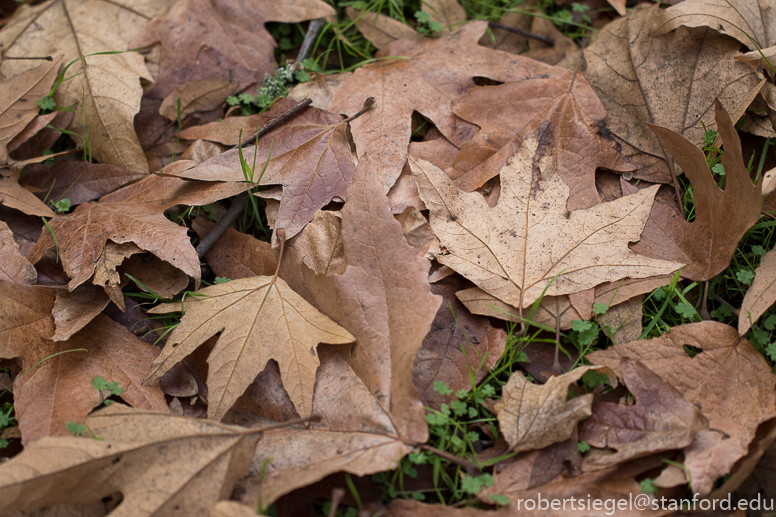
(281, 425)
(471, 467)
(309, 38)
(368, 103)
(231, 215)
(705, 305)
(271, 124)
(44, 58)
(538, 37)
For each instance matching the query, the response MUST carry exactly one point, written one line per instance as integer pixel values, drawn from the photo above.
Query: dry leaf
(160, 463)
(760, 295)
(534, 416)
(320, 88)
(320, 244)
(380, 29)
(734, 408)
(237, 255)
(74, 310)
(425, 79)
(13, 266)
(156, 275)
(529, 241)
(707, 244)
(224, 39)
(447, 12)
(694, 65)
(660, 420)
(109, 88)
(622, 323)
(261, 319)
(227, 131)
(15, 196)
(18, 100)
(105, 274)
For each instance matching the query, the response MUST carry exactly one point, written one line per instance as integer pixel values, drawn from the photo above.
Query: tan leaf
(31, 129)
(695, 65)
(758, 57)
(707, 244)
(320, 88)
(15, 196)
(74, 310)
(237, 255)
(109, 88)
(190, 464)
(219, 40)
(160, 277)
(517, 249)
(447, 12)
(380, 29)
(262, 319)
(18, 100)
(500, 39)
(105, 274)
(760, 295)
(660, 420)
(320, 244)
(227, 131)
(425, 80)
(534, 416)
(202, 95)
(734, 408)
(13, 266)
(26, 317)
(622, 323)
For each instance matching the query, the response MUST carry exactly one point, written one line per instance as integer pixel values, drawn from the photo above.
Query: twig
(44, 58)
(336, 496)
(231, 215)
(309, 38)
(538, 37)
(271, 124)
(471, 467)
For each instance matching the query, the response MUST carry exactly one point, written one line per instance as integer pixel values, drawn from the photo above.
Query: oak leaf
(13, 266)
(760, 295)
(534, 416)
(707, 244)
(733, 408)
(517, 249)
(159, 462)
(632, 71)
(108, 90)
(262, 319)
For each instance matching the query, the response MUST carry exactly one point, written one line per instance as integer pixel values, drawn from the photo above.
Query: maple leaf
(309, 155)
(660, 420)
(425, 77)
(760, 295)
(532, 416)
(224, 39)
(132, 214)
(380, 29)
(108, 90)
(15, 196)
(262, 319)
(74, 310)
(190, 464)
(707, 244)
(13, 266)
(563, 111)
(635, 94)
(18, 101)
(735, 407)
(517, 248)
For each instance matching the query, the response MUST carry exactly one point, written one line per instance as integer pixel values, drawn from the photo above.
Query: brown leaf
(77, 181)
(60, 391)
(237, 255)
(219, 40)
(30, 130)
(622, 323)
(26, 318)
(320, 88)
(280, 326)
(157, 275)
(13, 266)
(190, 464)
(426, 80)
(734, 408)
(310, 157)
(695, 65)
(194, 96)
(500, 39)
(752, 22)
(18, 100)
(109, 87)
(320, 244)
(660, 420)
(529, 241)
(707, 244)
(534, 416)
(15, 196)
(447, 12)
(74, 310)
(380, 29)
(105, 274)
(760, 295)
(227, 131)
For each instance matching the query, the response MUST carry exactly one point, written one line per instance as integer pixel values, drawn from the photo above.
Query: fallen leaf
(15, 196)
(695, 65)
(752, 22)
(18, 100)
(707, 244)
(734, 408)
(660, 420)
(447, 12)
(380, 29)
(31, 129)
(562, 113)
(219, 40)
(237, 255)
(760, 295)
(563, 53)
(37, 137)
(500, 39)
(320, 244)
(155, 275)
(281, 326)
(529, 241)
(108, 91)
(227, 131)
(26, 320)
(194, 96)
(105, 274)
(13, 266)
(190, 463)
(74, 310)
(320, 88)
(423, 77)
(622, 323)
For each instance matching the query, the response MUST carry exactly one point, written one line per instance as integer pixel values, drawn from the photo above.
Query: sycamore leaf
(15, 196)
(517, 249)
(262, 319)
(74, 310)
(18, 98)
(380, 29)
(108, 91)
(160, 463)
(660, 420)
(707, 244)
(632, 71)
(734, 408)
(13, 266)
(534, 416)
(426, 77)
(760, 295)
(225, 39)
